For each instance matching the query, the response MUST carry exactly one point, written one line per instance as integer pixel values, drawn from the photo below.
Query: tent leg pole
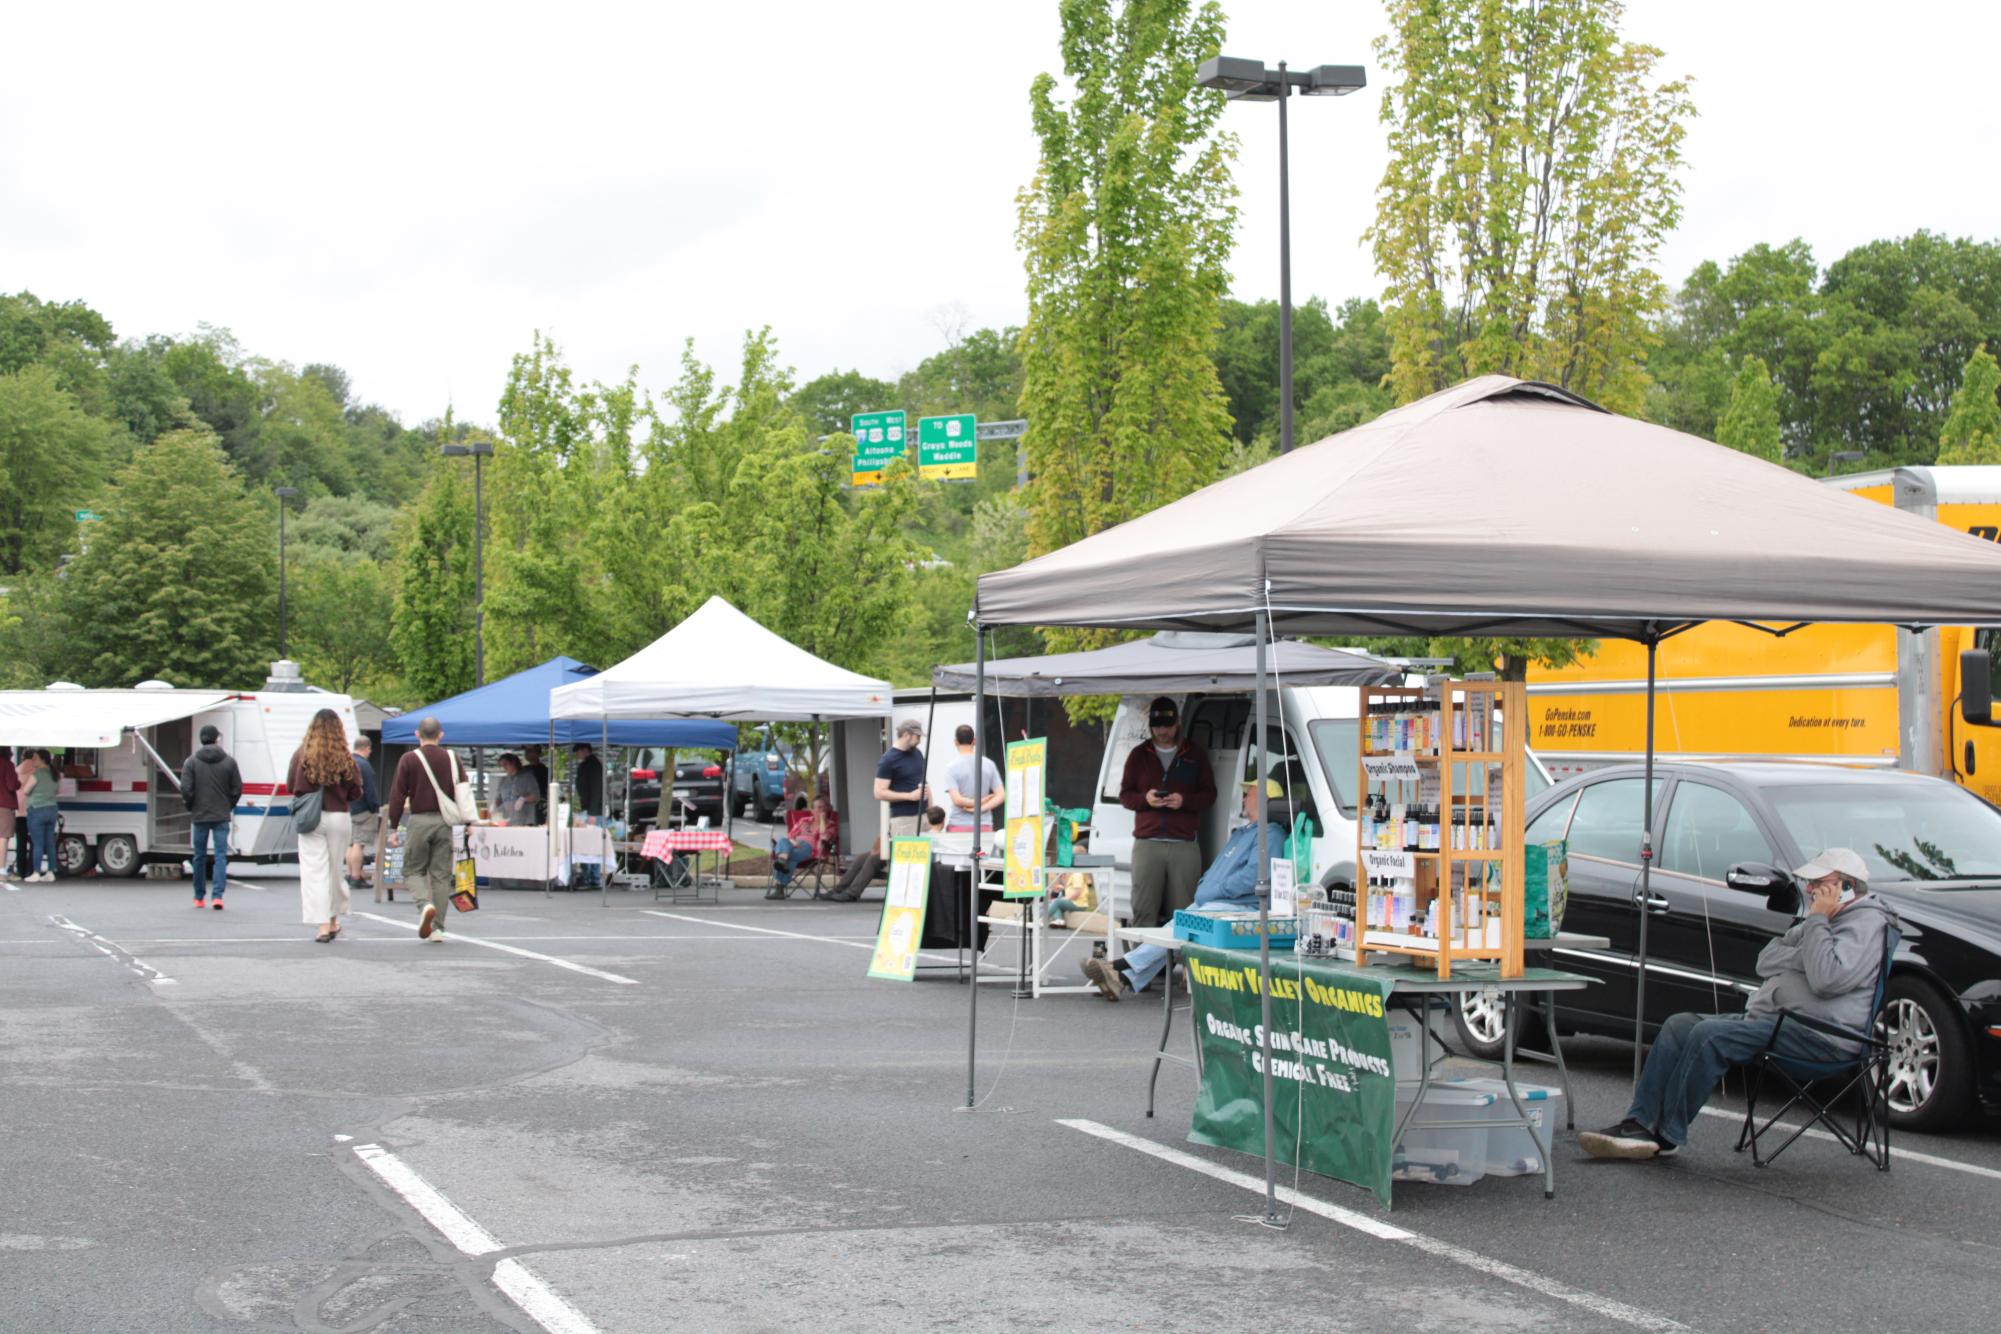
(973, 884)
(547, 801)
(1646, 895)
(1264, 928)
(604, 872)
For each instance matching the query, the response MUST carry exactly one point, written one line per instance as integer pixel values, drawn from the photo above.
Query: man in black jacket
(211, 786)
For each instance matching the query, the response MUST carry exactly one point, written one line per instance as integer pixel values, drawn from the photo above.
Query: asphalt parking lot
(649, 1116)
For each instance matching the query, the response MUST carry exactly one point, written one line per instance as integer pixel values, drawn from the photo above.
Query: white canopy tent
(719, 663)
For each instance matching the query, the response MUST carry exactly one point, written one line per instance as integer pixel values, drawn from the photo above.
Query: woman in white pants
(324, 763)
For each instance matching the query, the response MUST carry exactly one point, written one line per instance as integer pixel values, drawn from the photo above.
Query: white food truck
(119, 811)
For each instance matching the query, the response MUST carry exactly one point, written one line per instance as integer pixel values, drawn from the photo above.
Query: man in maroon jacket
(1167, 785)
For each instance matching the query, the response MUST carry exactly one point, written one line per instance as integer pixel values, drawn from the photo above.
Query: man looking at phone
(1167, 785)
(1824, 968)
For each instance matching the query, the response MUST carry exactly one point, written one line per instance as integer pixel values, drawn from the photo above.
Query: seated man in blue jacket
(1229, 885)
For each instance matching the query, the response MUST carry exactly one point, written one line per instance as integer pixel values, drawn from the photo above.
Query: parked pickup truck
(763, 775)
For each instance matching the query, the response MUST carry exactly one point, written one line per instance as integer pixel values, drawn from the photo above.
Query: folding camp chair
(812, 876)
(1867, 1075)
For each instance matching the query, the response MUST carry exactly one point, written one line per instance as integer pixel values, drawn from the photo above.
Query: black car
(698, 787)
(1934, 855)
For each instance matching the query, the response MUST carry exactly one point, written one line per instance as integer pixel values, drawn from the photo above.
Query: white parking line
(113, 950)
(1375, 1227)
(1898, 1153)
(867, 943)
(544, 1305)
(512, 949)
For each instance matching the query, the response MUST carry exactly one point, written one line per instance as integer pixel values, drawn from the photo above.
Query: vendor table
(1164, 937)
(662, 844)
(1424, 987)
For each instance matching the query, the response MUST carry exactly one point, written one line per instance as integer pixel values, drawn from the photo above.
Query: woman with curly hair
(324, 763)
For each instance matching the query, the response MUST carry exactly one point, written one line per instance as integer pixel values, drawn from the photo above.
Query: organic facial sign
(902, 923)
(1026, 761)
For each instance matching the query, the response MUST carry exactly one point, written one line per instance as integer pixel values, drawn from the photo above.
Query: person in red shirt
(1167, 785)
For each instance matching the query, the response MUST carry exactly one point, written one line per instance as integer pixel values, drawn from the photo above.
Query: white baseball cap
(1834, 860)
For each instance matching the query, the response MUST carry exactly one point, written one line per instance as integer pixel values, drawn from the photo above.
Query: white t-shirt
(959, 778)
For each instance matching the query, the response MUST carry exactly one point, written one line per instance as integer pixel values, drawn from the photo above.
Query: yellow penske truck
(1862, 695)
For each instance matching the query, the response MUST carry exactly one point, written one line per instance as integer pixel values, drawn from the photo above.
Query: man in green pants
(421, 776)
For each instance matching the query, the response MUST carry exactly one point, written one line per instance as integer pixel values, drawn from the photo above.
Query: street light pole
(283, 493)
(1284, 270)
(479, 451)
(1249, 81)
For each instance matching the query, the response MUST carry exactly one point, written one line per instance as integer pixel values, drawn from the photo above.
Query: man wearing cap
(1167, 785)
(1825, 968)
(899, 780)
(1229, 885)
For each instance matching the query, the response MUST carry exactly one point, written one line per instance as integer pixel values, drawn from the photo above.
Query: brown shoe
(428, 922)
(1105, 978)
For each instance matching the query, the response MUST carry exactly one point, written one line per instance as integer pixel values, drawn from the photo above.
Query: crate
(1233, 931)
(1511, 1150)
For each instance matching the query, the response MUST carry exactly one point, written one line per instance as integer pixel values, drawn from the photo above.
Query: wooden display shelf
(1498, 800)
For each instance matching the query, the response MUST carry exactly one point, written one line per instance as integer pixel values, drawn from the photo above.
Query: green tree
(67, 337)
(1533, 174)
(828, 402)
(343, 526)
(431, 627)
(1126, 229)
(1750, 422)
(177, 581)
(52, 461)
(1972, 431)
(339, 617)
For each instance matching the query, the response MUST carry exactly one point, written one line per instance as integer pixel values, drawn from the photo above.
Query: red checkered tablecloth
(662, 843)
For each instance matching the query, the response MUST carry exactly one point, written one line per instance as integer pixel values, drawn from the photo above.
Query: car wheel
(1478, 1017)
(737, 803)
(1931, 1062)
(763, 815)
(73, 855)
(118, 854)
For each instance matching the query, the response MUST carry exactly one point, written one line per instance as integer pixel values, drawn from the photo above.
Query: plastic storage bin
(1234, 931)
(1445, 1155)
(1510, 1150)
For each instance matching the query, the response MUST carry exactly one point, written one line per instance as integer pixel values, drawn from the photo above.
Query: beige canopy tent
(1171, 662)
(1504, 507)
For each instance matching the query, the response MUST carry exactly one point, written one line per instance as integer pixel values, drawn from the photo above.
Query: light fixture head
(285, 492)
(1335, 80)
(1244, 80)
(453, 451)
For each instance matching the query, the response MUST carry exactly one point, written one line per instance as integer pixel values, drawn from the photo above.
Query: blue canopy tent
(514, 711)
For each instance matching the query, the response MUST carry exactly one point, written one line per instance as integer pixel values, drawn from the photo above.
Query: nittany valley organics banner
(1332, 1079)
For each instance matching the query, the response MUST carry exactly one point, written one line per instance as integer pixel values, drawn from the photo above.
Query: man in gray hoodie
(1825, 967)
(211, 786)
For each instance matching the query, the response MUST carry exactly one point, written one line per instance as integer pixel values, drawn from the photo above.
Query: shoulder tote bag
(306, 807)
(460, 807)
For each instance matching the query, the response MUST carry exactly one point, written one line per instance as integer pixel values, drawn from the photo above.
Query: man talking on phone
(1167, 785)
(1825, 967)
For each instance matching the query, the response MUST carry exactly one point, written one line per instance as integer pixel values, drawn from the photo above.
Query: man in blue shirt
(1229, 885)
(899, 780)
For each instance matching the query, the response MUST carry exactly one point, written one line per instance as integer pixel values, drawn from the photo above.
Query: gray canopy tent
(1172, 663)
(1502, 507)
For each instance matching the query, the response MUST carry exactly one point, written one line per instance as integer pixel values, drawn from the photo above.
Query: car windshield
(1903, 831)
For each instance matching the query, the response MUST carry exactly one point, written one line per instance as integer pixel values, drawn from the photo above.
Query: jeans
(1692, 1053)
(42, 839)
(209, 832)
(788, 856)
(1142, 963)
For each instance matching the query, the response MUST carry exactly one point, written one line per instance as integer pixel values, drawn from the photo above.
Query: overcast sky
(410, 190)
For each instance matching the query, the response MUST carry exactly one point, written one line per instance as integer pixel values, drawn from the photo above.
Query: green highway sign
(88, 516)
(879, 442)
(946, 450)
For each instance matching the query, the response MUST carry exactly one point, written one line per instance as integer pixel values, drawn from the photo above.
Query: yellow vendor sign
(902, 923)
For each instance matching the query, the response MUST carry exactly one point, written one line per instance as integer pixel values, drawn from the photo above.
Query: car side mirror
(1976, 687)
(1781, 892)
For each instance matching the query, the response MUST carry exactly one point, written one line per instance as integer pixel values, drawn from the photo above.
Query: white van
(124, 815)
(1311, 749)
